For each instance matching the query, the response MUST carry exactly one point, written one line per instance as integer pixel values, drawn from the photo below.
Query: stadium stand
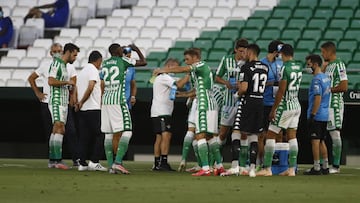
(169, 27)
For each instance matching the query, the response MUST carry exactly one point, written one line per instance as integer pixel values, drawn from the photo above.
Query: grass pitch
(29, 180)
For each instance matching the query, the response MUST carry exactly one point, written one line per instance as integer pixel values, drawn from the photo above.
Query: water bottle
(172, 94)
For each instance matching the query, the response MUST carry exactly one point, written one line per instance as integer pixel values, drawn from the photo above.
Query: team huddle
(253, 101)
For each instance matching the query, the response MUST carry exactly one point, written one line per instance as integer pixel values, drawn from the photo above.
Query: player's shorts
(58, 113)
(228, 115)
(336, 117)
(192, 112)
(251, 114)
(266, 121)
(318, 130)
(115, 118)
(206, 121)
(285, 119)
(161, 124)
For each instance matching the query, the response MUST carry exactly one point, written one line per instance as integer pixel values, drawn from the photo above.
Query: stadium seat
(306, 44)
(177, 22)
(203, 43)
(141, 11)
(44, 43)
(184, 12)
(355, 23)
(161, 11)
(202, 12)
(20, 11)
(29, 62)
(216, 53)
(357, 13)
(5, 73)
(177, 53)
(255, 22)
(270, 33)
(162, 43)
(281, 12)
(225, 43)
(263, 43)
(299, 23)
(241, 13)
(221, 12)
(155, 21)
(151, 32)
(129, 32)
(10, 4)
(90, 5)
(123, 12)
(37, 52)
(235, 23)
(302, 12)
(229, 32)
(293, 33)
(69, 32)
(135, 21)
(104, 8)
(318, 23)
(323, 12)
(17, 53)
(350, 3)
(356, 56)
(306, 80)
(214, 64)
(89, 31)
(312, 33)
(145, 43)
(339, 23)
(21, 74)
(187, 3)
(115, 21)
(112, 32)
(344, 12)
(85, 42)
(166, 3)
(123, 41)
(79, 16)
(2, 82)
(147, 3)
(9, 62)
(152, 63)
(96, 22)
(335, 34)
(206, 3)
(279, 23)
(183, 44)
(214, 22)
(189, 32)
(308, 3)
(250, 33)
(265, 14)
(63, 40)
(352, 33)
(247, 3)
(345, 55)
(170, 32)
(329, 3)
(196, 22)
(353, 65)
(348, 44)
(226, 3)
(15, 83)
(268, 3)
(300, 54)
(102, 42)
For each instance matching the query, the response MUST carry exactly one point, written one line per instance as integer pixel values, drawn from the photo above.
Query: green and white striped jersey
(204, 82)
(229, 67)
(292, 73)
(336, 71)
(114, 74)
(59, 95)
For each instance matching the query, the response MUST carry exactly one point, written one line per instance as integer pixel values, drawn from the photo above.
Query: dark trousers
(46, 120)
(91, 140)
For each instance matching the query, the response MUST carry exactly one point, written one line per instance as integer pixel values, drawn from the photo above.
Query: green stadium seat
(216, 54)
(350, 3)
(204, 54)
(214, 64)
(320, 23)
(353, 81)
(357, 13)
(157, 55)
(276, 22)
(290, 41)
(263, 43)
(288, 3)
(303, 12)
(177, 53)
(298, 23)
(355, 23)
(329, 3)
(203, 43)
(345, 55)
(352, 33)
(270, 33)
(183, 44)
(323, 12)
(229, 32)
(348, 44)
(224, 43)
(344, 12)
(293, 33)
(281, 12)
(339, 23)
(312, 33)
(152, 63)
(300, 54)
(142, 77)
(306, 44)
(356, 56)
(236, 23)
(250, 33)
(308, 3)
(209, 34)
(353, 65)
(322, 41)
(265, 14)
(257, 22)
(263, 53)
(335, 34)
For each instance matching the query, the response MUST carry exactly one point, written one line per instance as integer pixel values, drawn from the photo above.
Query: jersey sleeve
(221, 70)
(94, 75)
(316, 86)
(129, 61)
(53, 69)
(342, 71)
(42, 71)
(283, 75)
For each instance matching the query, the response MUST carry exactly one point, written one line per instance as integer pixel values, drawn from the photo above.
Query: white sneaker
(334, 170)
(83, 168)
(182, 166)
(231, 171)
(252, 173)
(96, 167)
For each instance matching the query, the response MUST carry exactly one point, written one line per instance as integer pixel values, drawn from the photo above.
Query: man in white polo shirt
(89, 100)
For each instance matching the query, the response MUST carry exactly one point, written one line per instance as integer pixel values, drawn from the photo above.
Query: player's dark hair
(172, 60)
(94, 56)
(273, 46)
(242, 42)
(193, 52)
(254, 48)
(314, 58)
(329, 46)
(287, 50)
(71, 47)
(113, 49)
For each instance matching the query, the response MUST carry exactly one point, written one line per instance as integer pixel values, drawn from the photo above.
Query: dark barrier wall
(22, 133)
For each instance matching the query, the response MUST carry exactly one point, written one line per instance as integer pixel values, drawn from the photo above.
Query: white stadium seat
(17, 53)
(104, 8)
(129, 32)
(90, 4)
(102, 42)
(20, 10)
(142, 11)
(79, 16)
(6, 74)
(115, 21)
(63, 40)
(207, 3)
(221, 12)
(162, 43)
(121, 12)
(161, 11)
(151, 32)
(190, 32)
(89, 31)
(187, 3)
(227, 3)
(155, 21)
(22, 74)
(215, 22)
(69, 32)
(196, 22)
(202, 12)
(170, 32)
(135, 21)
(44, 43)
(29, 62)
(184, 12)
(166, 3)
(175, 21)
(85, 42)
(241, 12)
(145, 43)
(251, 4)
(36, 52)
(112, 32)
(96, 22)
(147, 3)
(15, 83)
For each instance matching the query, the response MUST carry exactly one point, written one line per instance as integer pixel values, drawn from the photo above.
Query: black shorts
(251, 115)
(318, 130)
(266, 120)
(161, 124)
